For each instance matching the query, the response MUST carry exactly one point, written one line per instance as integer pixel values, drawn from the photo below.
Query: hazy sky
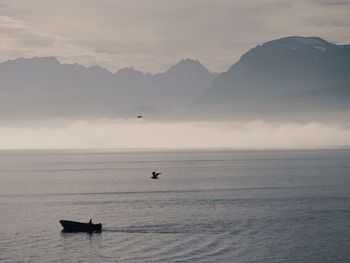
(151, 35)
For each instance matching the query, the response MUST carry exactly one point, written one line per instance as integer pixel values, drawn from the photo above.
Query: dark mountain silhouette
(42, 87)
(298, 78)
(294, 77)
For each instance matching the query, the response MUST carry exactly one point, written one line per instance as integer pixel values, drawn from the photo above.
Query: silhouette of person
(90, 222)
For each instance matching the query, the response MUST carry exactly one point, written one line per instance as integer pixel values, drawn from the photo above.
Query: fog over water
(113, 134)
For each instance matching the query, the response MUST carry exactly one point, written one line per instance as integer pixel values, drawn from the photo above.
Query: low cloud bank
(114, 134)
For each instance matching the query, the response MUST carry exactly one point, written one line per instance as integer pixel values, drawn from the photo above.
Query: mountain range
(301, 78)
(42, 87)
(292, 78)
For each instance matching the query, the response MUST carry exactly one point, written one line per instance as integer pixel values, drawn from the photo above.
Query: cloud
(151, 35)
(19, 39)
(332, 2)
(116, 134)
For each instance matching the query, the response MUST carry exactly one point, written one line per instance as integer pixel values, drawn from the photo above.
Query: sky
(152, 35)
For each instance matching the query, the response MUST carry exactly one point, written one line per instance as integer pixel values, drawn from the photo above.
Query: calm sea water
(208, 206)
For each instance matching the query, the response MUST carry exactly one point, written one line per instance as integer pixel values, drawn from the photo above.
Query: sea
(207, 206)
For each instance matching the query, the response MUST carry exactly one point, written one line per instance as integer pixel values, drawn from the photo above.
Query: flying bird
(155, 175)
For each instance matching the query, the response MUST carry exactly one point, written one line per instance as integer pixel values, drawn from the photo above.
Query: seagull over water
(155, 175)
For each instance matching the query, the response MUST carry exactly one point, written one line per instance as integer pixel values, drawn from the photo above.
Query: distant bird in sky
(139, 116)
(155, 175)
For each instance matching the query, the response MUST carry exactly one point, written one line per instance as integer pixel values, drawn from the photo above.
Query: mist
(140, 134)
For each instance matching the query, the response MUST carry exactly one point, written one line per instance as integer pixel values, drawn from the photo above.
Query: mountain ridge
(273, 70)
(297, 78)
(43, 87)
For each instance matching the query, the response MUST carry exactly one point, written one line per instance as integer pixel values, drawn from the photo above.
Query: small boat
(73, 226)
